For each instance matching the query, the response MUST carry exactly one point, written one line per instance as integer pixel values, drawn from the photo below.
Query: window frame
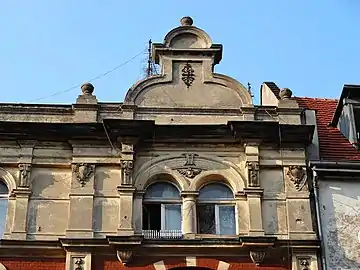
(217, 203)
(5, 197)
(162, 202)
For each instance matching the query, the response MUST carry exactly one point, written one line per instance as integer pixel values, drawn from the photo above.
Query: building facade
(186, 172)
(334, 160)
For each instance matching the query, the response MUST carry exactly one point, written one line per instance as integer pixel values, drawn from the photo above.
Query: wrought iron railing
(162, 234)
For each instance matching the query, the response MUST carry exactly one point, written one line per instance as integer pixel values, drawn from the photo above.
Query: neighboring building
(186, 172)
(335, 162)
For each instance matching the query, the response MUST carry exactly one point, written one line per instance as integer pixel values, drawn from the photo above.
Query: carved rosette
(188, 75)
(257, 256)
(253, 173)
(24, 175)
(83, 172)
(127, 169)
(124, 256)
(297, 175)
(304, 263)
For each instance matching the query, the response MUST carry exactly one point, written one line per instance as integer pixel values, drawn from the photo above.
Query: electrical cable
(91, 80)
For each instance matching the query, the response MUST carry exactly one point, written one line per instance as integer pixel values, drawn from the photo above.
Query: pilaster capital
(253, 192)
(21, 192)
(126, 190)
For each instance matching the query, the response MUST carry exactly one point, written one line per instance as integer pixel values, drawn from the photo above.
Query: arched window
(162, 207)
(216, 210)
(4, 195)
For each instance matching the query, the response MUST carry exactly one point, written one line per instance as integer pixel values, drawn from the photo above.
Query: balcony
(162, 234)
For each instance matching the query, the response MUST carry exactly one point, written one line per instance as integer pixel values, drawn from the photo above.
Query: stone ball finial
(186, 21)
(87, 89)
(285, 93)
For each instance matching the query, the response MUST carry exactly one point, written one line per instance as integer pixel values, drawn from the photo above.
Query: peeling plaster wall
(340, 217)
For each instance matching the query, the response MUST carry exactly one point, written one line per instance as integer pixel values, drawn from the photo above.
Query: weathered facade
(334, 161)
(186, 172)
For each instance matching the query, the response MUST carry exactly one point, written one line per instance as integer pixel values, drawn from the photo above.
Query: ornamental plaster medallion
(297, 175)
(188, 75)
(83, 172)
(304, 264)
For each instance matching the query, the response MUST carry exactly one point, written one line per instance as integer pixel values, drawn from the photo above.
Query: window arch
(216, 210)
(4, 196)
(162, 207)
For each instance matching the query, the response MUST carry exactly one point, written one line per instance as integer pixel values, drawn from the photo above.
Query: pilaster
(19, 228)
(137, 211)
(81, 201)
(125, 226)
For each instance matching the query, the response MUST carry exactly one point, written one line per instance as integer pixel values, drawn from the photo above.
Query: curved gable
(187, 57)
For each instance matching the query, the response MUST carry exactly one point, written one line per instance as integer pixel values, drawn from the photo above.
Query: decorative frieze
(257, 256)
(127, 170)
(124, 256)
(24, 175)
(297, 175)
(83, 172)
(253, 173)
(188, 75)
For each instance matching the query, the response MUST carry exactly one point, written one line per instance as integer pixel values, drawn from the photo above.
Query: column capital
(186, 194)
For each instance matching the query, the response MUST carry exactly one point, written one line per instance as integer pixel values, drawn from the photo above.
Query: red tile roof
(333, 145)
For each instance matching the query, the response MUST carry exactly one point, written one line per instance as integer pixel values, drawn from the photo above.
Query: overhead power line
(91, 80)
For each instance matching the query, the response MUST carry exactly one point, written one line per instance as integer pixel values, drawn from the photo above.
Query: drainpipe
(317, 210)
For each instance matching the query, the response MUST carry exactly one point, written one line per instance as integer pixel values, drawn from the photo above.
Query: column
(189, 212)
(125, 226)
(81, 202)
(20, 219)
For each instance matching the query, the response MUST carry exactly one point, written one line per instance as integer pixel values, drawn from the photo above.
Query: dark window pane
(172, 217)
(227, 219)
(152, 217)
(206, 216)
(216, 192)
(162, 191)
(3, 188)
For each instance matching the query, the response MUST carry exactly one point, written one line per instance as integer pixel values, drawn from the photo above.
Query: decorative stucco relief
(257, 256)
(83, 172)
(24, 175)
(127, 170)
(188, 74)
(124, 256)
(189, 168)
(297, 175)
(304, 263)
(253, 173)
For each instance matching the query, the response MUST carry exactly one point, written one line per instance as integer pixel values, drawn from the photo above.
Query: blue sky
(311, 47)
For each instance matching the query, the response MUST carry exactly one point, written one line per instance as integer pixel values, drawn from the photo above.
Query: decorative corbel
(257, 256)
(253, 173)
(127, 170)
(297, 175)
(24, 175)
(124, 256)
(83, 172)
